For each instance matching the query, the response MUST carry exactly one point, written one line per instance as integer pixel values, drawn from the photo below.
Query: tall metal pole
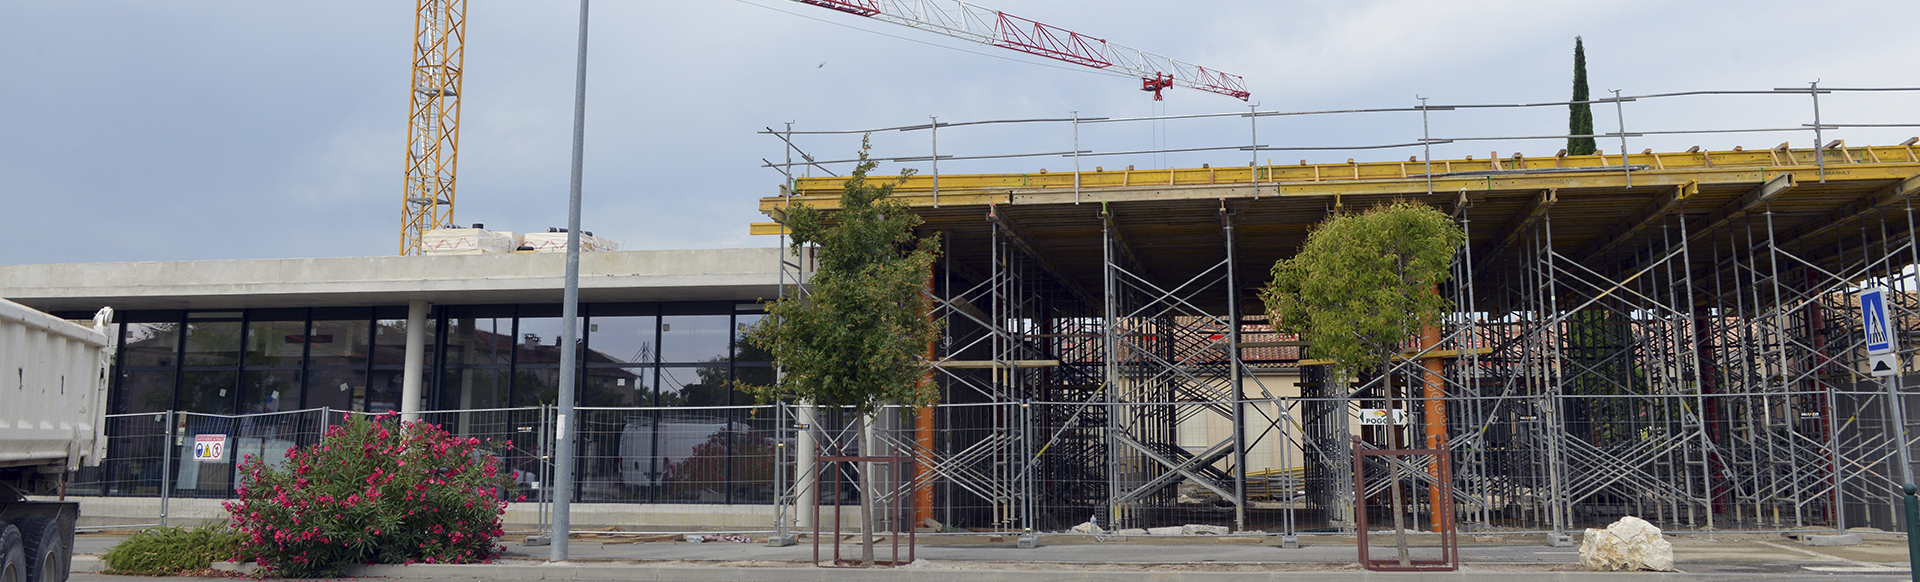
(570, 312)
(1819, 149)
(1076, 157)
(1426, 143)
(1620, 113)
(933, 130)
(1253, 131)
(1234, 378)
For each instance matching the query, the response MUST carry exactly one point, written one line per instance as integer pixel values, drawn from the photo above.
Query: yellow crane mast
(433, 120)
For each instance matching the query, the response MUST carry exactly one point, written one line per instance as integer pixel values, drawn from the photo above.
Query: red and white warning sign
(209, 447)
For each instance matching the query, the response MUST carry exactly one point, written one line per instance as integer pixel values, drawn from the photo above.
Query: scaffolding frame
(1699, 364)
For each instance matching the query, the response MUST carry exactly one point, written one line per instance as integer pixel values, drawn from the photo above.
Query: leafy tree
(1364, 283)
(1360, 287)
(856, 340)
(1580, 120)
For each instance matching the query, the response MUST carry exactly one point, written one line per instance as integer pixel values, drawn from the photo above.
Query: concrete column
(416, 360)
(808, 500)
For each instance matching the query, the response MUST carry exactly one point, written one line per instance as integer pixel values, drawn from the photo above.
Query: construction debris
(1628, 544)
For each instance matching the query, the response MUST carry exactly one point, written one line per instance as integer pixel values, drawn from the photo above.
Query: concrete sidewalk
(982, 558)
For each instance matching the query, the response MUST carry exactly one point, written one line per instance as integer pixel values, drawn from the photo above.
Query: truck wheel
(46, 556)
(13, 558)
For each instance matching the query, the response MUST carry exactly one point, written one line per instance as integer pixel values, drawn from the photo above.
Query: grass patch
(167, 551)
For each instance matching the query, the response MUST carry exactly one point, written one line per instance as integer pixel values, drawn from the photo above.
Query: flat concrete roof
(676, 275)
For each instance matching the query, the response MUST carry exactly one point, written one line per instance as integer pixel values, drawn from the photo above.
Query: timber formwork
(1674, 336)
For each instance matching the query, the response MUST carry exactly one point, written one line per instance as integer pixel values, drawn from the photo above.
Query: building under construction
(1675, 336)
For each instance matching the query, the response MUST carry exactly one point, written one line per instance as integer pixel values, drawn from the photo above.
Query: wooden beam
(1761, 194)
(1125, 246)
(1654, 211)
(1722, 216)
(1436, 354)
(1521, 222)
(1018, 236)
(988, 364)
(1883, 197)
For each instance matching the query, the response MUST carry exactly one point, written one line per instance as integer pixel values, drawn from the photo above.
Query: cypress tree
(1580, 121)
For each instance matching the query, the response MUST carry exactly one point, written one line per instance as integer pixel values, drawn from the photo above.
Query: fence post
(166, 467)
(1913, 540)
(782, 504)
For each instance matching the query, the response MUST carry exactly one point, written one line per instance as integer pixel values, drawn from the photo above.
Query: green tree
(856, 340)
(1365, 283)
(1580, 120)
(1360, 288)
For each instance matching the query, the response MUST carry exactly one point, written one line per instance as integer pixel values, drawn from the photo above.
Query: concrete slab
(972, 558)
(1845, 539)
(672, 275)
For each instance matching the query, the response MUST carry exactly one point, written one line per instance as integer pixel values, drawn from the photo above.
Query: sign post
(1883, 356)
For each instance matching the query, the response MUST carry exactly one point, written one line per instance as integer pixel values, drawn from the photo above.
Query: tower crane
(988, 26)
(433, 119)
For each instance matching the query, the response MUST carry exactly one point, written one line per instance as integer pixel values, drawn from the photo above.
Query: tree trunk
(866, 491)
(1393, 464)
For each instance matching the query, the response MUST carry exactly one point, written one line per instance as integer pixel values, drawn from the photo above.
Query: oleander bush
(372, 491)
(164, 551)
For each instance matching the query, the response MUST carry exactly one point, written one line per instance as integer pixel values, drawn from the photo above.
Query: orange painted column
(1436, 423)
(923, 440)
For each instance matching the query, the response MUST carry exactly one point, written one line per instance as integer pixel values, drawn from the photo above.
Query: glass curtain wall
(688, 356)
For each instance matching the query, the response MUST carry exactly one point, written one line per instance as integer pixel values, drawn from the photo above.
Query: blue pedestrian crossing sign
(1873, 318)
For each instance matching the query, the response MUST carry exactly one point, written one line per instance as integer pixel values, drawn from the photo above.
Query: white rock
(1132, 532)
(1628, 544)
(1171, 530)
(1087, 528)
(1194, 529)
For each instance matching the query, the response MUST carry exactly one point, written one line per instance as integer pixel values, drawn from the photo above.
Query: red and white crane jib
(989, 26)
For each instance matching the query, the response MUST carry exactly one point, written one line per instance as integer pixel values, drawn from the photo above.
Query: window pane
(336, 389)
(749, 375)
(193, 478)
(694, 449)
(473, 389)
(213, 343)
(208, 392)
(694, 339)
(383, 390)
(621, 340)
(535, 386)
(338, 343)
(144, 391)
(617, 387)
(540, 340)
(275, 343)
(753, 456)
(744, 351)
(270, 391)
(704, 386)
(479, 341)
(599, 465)
(151, 345)
(390, 342)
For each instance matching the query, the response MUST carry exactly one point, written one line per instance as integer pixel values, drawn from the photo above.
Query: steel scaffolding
(1673, 336)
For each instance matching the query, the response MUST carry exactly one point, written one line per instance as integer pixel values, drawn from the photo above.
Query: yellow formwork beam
(1377, 178)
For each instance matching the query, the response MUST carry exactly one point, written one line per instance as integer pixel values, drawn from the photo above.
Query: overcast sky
(141, 131)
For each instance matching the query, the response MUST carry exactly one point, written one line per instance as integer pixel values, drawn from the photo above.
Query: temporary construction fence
(1505, 473)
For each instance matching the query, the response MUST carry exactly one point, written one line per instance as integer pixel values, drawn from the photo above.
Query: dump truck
(53, 389)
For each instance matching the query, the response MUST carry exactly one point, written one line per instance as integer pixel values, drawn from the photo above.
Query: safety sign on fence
(1379, 416)
(1882, 350)
(209, 447)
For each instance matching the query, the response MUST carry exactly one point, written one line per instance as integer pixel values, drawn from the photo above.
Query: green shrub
(163, 551)
(371, 491)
